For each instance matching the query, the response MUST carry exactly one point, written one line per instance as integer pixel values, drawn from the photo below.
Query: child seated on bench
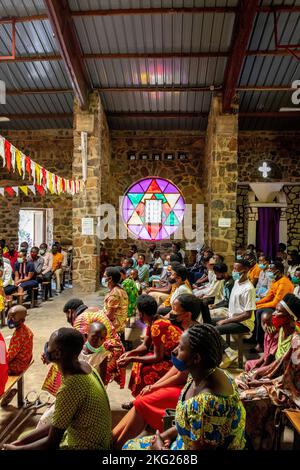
(94, 351)
(21, 343)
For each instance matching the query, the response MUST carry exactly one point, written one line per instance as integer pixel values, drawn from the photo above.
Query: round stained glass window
(153, 208)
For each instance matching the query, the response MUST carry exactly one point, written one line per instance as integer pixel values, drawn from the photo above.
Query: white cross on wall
(265, 169)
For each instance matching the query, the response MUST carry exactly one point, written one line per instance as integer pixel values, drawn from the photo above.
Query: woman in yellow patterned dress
(209, 414)
(152, 359)
(116, 301)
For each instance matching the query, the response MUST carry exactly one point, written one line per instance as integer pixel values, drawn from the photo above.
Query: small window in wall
(36, 226)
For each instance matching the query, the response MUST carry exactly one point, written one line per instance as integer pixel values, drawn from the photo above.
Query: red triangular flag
(44, 179)
(28, 165)
(40, 189)
(8, 154)
(55, 181)
(10, 191)
(63, 181)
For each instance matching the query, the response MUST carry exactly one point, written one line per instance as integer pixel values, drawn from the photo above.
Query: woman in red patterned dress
(152, 359)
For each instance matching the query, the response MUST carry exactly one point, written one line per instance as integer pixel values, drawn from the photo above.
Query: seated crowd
(186, 312)
(25, 271)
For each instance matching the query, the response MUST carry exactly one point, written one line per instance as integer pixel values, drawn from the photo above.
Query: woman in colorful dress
(116, 301)
(82, 415)
(2, 293)
(209, 413)
(265, 389)
(152, 359)
(81, 317)
(131, 289)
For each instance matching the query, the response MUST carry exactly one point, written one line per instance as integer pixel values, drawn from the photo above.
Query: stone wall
(241, 215)
(86, 261)
(52, 149)
(279, 149)
(293, 216)
(187, 175)
(221, 180)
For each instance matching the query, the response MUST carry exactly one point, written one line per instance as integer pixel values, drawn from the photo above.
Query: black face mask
(173, 319)
(172, 280)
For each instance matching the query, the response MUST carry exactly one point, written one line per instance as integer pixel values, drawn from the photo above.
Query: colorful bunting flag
(24, 189)
(18, 161)
(7, 154)
(9, 191)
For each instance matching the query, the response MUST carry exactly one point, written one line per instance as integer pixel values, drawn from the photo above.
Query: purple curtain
(267, 230)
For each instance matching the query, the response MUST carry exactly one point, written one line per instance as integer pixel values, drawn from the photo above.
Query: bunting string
(43, 180)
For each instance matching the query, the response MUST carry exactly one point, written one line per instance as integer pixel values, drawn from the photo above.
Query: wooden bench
(19, 297)
(294, 418)
(19, 381)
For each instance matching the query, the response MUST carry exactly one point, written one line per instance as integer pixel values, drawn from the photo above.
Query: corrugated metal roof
(151, 33)
(125, 123)
(64, 123)
(86, 5)
(21, 7)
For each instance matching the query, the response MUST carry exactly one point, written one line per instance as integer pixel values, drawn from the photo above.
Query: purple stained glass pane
(180, 204)
(171, 189)
(144, 234)
(127, 214)
(127, 204)
(136, 188)
(136, 229)
(145, 184)
(162, 184)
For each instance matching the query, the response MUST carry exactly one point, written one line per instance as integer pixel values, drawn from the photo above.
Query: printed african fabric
(278, 386)
(20, 350)
(131, 289)
(112, 344)
(82, 409)
(116, 307)
(161, 332)
(205, 421)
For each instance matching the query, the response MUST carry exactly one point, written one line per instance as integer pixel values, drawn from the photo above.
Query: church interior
(150, 155)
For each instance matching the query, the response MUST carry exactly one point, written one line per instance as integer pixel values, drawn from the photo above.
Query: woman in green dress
(131, 289)
(82, 416)
(209, 413)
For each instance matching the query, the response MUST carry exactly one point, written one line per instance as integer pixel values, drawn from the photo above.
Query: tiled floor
(43, 321)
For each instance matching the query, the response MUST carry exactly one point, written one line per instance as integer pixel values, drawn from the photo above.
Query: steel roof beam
(240, 37)
(25, 116)
(63, 27)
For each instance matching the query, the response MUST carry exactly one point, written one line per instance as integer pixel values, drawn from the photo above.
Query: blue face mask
(271, 275)
(11, 324)
(178, 363)
(46, 352)
(261, 266)
(236, 276)
(239, 257)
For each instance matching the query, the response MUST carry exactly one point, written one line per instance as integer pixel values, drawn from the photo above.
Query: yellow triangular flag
(24, 189)
(51, 183)
(18, 161)
(38, 173)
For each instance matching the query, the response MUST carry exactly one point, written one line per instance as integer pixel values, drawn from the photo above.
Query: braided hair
(206, 340)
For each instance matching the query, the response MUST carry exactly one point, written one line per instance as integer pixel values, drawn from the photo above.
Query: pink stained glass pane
(170, 229)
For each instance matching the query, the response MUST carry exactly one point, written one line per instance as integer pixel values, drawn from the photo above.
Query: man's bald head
(17, 313)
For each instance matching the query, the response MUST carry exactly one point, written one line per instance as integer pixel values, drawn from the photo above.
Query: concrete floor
(43, 321)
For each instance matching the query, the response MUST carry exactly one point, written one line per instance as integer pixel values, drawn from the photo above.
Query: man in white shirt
(242, 305)
(47, 266)
(8, 284)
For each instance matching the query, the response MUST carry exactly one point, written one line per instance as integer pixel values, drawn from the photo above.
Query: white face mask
(104, 282)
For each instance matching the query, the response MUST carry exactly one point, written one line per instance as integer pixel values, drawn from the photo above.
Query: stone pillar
(86, 261)
(220, 179)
